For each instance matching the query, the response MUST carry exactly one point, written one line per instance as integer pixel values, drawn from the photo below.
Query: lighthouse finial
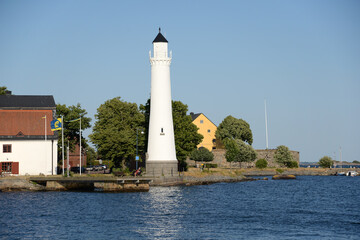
(159, 30)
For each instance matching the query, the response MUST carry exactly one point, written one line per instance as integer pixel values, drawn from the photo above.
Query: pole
(137, 148)
(62, 144)
(340, 158)
(45, 128)
(266, 127)
(67, 167)
(80, 145)
(45, 141)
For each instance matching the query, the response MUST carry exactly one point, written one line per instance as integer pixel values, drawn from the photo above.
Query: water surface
(311, 207)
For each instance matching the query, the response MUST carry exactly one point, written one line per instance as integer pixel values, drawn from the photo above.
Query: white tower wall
(161, 142)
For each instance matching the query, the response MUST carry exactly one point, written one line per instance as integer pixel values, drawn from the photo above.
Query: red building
(28, 146)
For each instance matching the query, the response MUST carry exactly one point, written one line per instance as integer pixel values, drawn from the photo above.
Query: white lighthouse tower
(161, 159)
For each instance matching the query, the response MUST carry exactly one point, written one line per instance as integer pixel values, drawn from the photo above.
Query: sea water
(310, 207)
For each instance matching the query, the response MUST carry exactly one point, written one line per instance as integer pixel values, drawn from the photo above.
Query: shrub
(261, 163)
(283, 155)
(210, 165)
(202, 155)
(292, 164)
(326, 162)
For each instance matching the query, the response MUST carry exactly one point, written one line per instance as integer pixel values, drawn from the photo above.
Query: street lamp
(137, 145)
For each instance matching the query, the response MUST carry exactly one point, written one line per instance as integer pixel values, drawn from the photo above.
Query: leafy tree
(114, 132)
(185, 132)
(355, 161)
(261, 163)
(326, 162)
(283, 156)
(72, 129)
(233, 128)
(238, 151)
(186, 135)
(202, 155)
(91, 155)
(3, 90)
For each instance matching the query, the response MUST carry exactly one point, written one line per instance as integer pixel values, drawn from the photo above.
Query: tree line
(118, 126)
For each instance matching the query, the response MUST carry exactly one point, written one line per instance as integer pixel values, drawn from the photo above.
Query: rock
(283, 176)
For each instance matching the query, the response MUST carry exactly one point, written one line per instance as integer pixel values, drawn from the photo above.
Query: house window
(7, 148)
(6, 167)
(201, 121)
(208, 130)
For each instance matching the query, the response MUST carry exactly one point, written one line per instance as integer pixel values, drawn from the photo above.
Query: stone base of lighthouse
(162, 168)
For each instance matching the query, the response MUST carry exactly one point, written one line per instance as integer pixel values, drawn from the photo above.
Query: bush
(292, 164)
(210, 165)
(261, 163)
(283, 156)
(326, 162)
(202, 155)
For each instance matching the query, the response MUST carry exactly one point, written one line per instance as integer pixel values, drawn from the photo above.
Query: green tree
(3, 90)
(233, 128)
(91, 155)
(283, 156)
(326, 162)
(202, 155)
(72, 129)
(186, 135)
(261, 163)
(185, 132)
(238, 151)
(114, 132)
(355, 161)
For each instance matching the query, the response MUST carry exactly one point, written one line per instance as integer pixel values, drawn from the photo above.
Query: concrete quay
(56, 183)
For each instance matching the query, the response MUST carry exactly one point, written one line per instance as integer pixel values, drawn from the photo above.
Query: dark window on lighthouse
(162, 131)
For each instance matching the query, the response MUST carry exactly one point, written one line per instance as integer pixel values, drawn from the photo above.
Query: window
(208, 130)
(201, 121)
(7, 148)
(6, 167)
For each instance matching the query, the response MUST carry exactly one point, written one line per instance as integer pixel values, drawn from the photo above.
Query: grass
(196, 172)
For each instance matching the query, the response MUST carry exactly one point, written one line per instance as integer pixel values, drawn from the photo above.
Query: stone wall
(268, 154)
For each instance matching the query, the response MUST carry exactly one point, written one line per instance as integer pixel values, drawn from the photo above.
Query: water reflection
(164, 212)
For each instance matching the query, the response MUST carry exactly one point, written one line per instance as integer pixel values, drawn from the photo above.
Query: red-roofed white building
(25, 146)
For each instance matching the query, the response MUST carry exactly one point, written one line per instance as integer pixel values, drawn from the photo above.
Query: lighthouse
(161, 160)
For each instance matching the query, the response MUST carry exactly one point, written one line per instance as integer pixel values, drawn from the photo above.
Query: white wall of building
(34, 156)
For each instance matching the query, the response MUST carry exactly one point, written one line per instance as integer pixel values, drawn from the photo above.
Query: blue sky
(303, 57)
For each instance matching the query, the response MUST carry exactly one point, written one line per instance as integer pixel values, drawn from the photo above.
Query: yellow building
(207, 129)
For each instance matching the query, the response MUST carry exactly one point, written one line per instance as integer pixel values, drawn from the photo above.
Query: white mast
(266, 127)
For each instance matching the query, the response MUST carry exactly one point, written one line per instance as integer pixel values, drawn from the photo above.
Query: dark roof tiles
(26, 101)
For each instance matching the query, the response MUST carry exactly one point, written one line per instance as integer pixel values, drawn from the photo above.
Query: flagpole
(266, 127)
(80, 145)
(62, 144)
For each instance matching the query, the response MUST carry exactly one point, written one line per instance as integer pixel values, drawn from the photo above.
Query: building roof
(196, 115)
(160, 37)
(23, 124)
(26, 101)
